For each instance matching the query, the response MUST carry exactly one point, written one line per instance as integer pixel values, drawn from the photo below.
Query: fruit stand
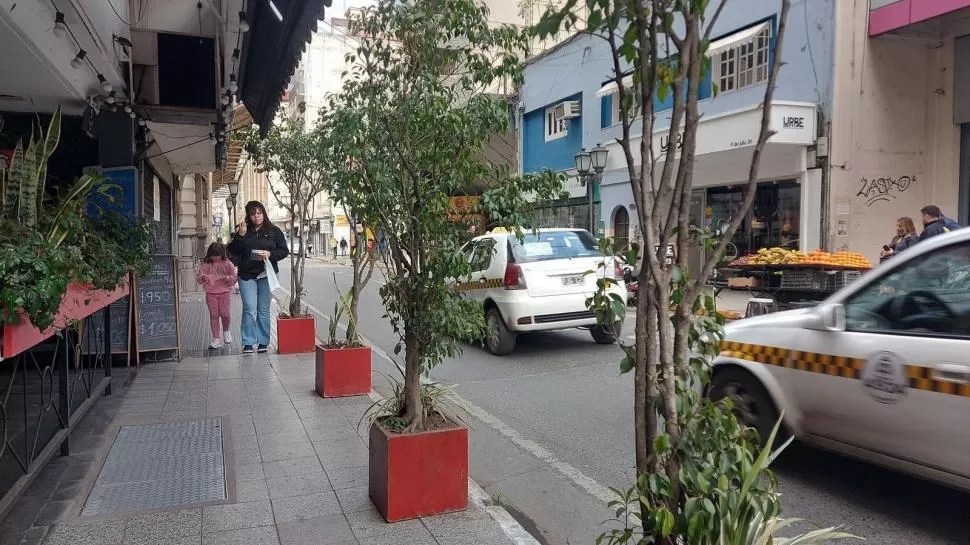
(794, 279)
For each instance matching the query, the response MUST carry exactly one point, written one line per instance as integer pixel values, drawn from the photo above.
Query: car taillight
(514, 279)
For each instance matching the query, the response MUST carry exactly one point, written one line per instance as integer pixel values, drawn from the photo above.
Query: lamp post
(590, 166)
(233, 191)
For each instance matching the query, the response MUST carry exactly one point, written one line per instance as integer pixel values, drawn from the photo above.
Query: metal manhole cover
(161, 466)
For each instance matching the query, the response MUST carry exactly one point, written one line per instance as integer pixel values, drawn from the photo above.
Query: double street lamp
(231, 202)
(590, 165)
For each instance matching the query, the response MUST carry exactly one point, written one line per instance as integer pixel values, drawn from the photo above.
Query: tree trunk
(413, 412)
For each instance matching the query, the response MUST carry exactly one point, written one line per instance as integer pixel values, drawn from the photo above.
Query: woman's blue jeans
(255, 315)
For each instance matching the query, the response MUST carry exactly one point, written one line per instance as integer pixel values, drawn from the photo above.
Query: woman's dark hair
(216, 249)
(251, 207)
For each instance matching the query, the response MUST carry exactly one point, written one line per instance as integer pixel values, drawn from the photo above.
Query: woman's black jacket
(268, 238)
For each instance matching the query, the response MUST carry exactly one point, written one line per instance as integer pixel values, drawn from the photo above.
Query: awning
(732, 40)
(611, 87)
(271, 51)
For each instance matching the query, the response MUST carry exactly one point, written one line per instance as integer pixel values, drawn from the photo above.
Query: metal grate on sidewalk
(161, 466)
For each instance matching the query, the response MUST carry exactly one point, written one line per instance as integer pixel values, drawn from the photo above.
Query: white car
(879, 371)
(538, 284)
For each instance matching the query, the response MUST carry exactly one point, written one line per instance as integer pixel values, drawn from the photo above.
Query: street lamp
(590, 166)
(233, 191)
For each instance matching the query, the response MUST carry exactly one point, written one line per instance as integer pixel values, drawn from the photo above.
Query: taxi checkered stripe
(482, 284)
(920, 378)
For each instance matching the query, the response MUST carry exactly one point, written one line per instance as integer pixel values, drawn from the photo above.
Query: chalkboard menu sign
(157, 307)
(120, 321)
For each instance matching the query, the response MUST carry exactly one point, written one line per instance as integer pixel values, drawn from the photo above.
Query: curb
(513, 530)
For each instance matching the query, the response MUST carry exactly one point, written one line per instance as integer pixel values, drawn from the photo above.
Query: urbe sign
(790, 122)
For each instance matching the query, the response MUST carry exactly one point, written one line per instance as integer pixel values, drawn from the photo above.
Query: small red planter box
(296, 335)
(418, 474)
(343, 371)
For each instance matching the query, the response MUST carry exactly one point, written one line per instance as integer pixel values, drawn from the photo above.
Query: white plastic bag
(274, 281)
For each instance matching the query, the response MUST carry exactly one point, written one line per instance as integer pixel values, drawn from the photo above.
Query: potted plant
(411, 139)
(294, 161)
(63, 260)
(343, 365)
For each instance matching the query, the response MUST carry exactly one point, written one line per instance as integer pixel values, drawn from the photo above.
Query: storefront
(787, 205)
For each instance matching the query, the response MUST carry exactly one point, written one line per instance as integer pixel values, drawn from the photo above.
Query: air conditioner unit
(568, 110)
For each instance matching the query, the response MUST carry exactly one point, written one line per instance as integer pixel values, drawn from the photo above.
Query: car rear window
(554, 245)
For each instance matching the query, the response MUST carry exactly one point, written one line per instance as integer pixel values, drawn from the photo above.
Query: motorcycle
(632, 285)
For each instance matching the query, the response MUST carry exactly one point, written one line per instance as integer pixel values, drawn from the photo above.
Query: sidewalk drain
(161, 466)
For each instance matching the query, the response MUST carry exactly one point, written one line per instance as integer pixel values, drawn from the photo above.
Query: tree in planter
(414, 116)
(700, 477)
(293, 155)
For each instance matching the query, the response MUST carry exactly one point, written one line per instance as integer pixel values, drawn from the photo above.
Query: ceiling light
(60, 27)
(78, 59)
(243, 23)
(233, 86)
(141, 123)
(104, 83)
(132, 115)
(276, 11)
(235, 54)
(111, 98)
(225, 99)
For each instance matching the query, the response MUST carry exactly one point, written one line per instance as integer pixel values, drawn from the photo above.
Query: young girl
(217, 275)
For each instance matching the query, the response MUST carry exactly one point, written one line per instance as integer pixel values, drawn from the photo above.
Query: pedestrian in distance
(333, 247)
(905, 237)
(343, 246)
(217, 275)
(259, 244)
(935, 223)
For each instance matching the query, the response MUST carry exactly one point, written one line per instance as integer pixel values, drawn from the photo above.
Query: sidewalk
(290, 468)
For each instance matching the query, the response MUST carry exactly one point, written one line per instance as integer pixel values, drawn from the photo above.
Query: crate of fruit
(807, 279)
(837, 280)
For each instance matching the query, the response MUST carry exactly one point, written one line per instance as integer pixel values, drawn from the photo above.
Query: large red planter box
(343, 371)
(296, 335)
(79, 302)
(418, 474)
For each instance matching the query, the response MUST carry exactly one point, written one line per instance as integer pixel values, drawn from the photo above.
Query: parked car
(879, 371)
(538, 284)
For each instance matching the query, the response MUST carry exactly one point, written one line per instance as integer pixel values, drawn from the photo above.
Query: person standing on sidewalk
(217, 275)
(343, 246)
(259, 244)
(333, 247)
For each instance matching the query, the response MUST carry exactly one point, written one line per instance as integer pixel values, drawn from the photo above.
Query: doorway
(621, 229)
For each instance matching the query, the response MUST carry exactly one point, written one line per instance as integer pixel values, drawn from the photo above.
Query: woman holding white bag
(259, 244)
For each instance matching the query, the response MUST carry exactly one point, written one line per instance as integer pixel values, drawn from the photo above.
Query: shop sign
(669, 260)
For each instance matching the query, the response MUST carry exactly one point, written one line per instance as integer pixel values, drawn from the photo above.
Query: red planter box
(79, 302)
(343, 371)
(296, 335)
(418, 474)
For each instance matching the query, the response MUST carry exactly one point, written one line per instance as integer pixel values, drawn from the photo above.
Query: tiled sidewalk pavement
(297, 469)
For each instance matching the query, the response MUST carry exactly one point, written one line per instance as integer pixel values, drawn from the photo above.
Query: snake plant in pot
(343, 363)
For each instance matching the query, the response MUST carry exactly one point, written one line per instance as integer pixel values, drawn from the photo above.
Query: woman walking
(217, 276)
(259, 244)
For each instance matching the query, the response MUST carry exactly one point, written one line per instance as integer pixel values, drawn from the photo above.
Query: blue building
(568, 103)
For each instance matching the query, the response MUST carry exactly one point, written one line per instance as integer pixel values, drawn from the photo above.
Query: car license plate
(574, 280)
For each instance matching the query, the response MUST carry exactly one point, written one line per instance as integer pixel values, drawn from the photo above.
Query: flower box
(296, 335)
(418, 474)
(79, 302)
(343, 371)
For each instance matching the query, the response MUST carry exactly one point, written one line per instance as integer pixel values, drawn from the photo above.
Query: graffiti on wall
(883, 189)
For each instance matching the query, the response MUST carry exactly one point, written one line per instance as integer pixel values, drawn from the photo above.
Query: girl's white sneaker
(216, 343)
(227, 337)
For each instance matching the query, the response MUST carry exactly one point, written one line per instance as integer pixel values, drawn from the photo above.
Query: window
(927, 295)
(743, 64)
(555, 127)
(554, 245)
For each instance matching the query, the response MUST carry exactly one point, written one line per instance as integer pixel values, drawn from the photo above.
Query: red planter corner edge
(343, 371)
(79, 302)
(296, 335)
(418, 474)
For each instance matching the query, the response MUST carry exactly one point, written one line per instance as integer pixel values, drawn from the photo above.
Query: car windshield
(545, 246)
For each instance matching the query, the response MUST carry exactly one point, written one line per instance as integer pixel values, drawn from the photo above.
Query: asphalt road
(553, 428)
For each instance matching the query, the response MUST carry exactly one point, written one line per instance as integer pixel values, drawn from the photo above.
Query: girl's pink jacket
(217, 277)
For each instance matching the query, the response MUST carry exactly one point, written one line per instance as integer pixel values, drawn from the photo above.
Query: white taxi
(538, 284)
(879, 371)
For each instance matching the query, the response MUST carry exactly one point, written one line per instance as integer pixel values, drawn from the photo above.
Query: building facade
(900, 134)
(578, 75)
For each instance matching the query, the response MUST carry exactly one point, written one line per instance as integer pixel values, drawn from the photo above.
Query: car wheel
(604, 335)
(753, 406)
(498, 339)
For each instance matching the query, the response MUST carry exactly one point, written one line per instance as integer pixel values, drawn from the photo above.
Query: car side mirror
(833, 316)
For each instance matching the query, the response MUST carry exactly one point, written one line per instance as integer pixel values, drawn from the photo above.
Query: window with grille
(743, 64)
(555, 126)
